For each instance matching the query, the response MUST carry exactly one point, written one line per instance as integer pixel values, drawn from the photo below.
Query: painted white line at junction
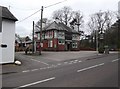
(90, 67)
(39, 61)
(34, 70)
(34, 83)
(115, 60)
(26, 71)
(59, 64)
(75, 60)
(80, 61)
(65, 62)
(70, 63)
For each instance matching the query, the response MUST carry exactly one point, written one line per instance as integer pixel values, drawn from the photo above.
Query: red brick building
(59, 37)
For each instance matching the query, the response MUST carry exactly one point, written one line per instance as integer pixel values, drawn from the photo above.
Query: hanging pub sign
(101, 36)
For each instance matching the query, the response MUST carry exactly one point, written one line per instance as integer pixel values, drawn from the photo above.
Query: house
(59, 37)
(7, 35)
(21, 42)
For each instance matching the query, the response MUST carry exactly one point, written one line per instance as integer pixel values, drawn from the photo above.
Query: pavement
(46, 59)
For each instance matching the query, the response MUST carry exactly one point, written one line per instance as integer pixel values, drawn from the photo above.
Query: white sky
(24, 8)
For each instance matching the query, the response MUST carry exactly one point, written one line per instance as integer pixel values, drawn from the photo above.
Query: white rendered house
(7, 36)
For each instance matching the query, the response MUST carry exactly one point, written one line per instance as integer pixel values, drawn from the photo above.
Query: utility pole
(33, 38)
(96, 40)
(40, 48)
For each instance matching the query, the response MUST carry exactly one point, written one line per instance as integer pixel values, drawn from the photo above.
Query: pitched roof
(6, 14)
(59, 26)
(53, 25)
(67, 28)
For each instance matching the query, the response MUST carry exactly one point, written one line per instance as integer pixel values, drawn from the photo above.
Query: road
(100, 72)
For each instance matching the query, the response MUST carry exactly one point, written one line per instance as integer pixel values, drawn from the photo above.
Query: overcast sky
(24, 8)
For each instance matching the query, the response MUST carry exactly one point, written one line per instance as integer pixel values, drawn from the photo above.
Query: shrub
(101, 50)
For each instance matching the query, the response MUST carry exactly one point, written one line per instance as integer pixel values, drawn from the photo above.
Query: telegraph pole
(96, 40)
(40, 48)
(33, 38)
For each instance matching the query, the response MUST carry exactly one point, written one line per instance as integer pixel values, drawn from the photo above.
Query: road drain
(8, 73)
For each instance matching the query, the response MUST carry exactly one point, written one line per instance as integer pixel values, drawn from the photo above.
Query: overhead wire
(40, 10)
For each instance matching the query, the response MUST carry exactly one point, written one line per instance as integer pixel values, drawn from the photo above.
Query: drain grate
(8, 73)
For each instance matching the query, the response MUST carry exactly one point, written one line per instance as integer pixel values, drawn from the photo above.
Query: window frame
(50, 43)
(74, 45)
(61, 42)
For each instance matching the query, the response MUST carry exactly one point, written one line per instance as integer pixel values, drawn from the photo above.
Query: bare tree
(63, 15)
(77, 20)
(45, 22)
(98, 24)
(101, 21)
(67, 14)
(58, 14)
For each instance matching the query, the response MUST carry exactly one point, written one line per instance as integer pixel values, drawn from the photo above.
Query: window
(62, 42)
(43, 36)
(46, 34)
(38, 35)
(50, 33)
(50, 43)
(74, 45)
(76, 37)
(61, 34)
(55, 34)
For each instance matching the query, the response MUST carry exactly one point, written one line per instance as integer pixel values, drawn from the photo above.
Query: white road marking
(91, 67)
(30, 84)
(48, 67)
(55, 65)
(79, 61)
(115, 60)
(34, 70)
(59, 64)
(26, 71)
(44, 68)
(44, 63)
(65, 62)
(70, 63)
(39, 61)
(75, 60)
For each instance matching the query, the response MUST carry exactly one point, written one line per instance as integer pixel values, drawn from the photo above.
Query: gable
(6, 14)
(53, 25)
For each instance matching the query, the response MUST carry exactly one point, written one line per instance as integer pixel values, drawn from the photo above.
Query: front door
(68, 46)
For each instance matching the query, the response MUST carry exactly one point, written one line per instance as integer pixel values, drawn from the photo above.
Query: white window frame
(50, 43)
(74, 45)
(61, 42)
(61, 35)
